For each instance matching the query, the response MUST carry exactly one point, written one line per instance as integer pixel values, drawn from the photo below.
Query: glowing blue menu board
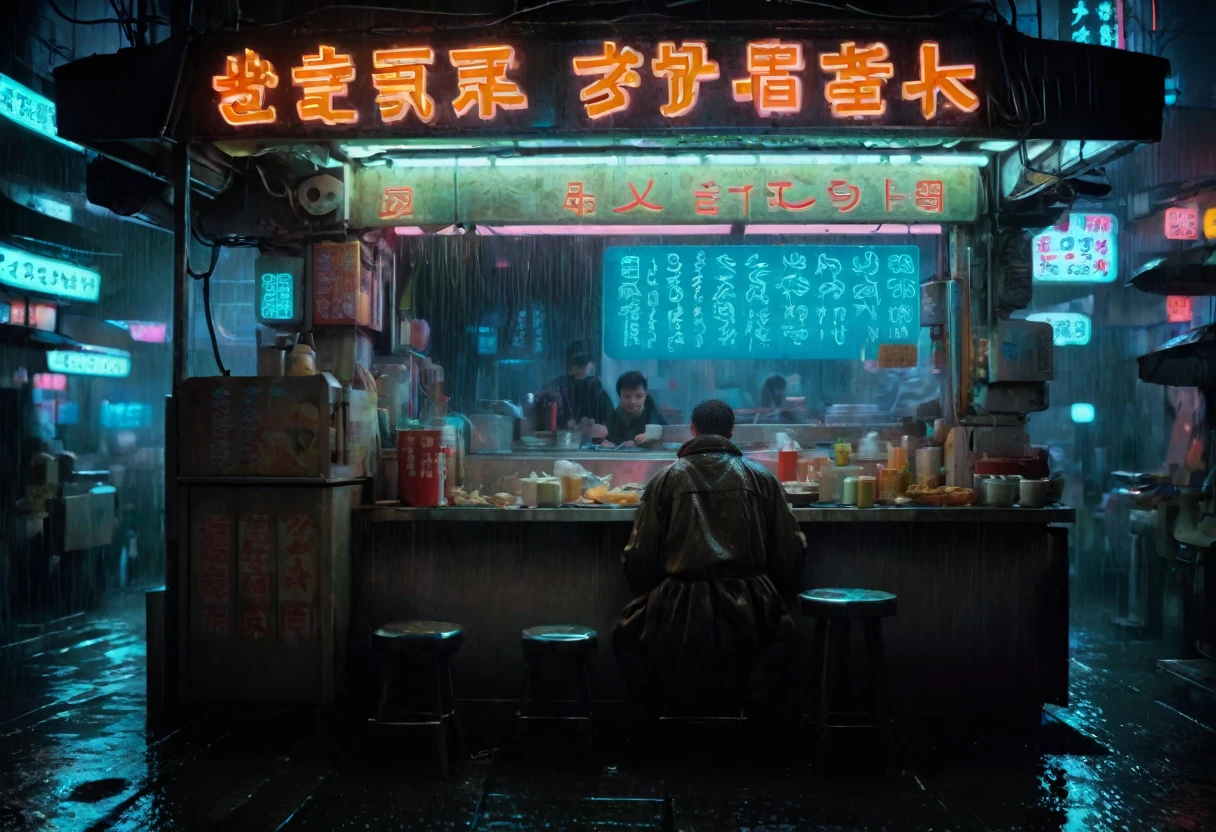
(759, 301)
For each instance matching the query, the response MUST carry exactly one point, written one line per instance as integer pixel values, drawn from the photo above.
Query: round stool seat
(418, 637)
(847, 603)
(560, 638)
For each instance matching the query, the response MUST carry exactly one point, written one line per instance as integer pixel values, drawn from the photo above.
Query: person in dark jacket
(627, 423)
(580, 397)
(714, 550)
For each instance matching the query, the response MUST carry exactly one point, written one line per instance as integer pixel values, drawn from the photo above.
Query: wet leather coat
(714, 549)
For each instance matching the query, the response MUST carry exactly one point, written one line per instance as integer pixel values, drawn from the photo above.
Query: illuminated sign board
(115, 364)
(20, 104)
(1084, 248)
(1181, 224)
(1068, 329)
(1209, 223)
(125, 415)
(422, 85)
(1178, 309)
(278, 287)
(647, 189)
(1098, 22)
(34, 273)
(759, 301)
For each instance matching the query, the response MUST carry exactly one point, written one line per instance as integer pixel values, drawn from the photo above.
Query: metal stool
(429, 644)
(833, 610)
(565, 640)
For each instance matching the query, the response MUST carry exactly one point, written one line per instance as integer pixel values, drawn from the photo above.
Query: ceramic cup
(654, 433)
(1034, 493)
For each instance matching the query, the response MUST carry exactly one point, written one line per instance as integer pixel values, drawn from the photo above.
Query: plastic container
(848, 493)
(302, 361)
(865, 492)
(929, 466)
(450, 465)
(549, 493)
(572, 488)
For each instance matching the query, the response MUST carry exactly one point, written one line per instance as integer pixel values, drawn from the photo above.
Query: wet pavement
(1134, 751)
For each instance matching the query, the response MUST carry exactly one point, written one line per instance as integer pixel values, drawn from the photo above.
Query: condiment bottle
(865, 492)
(844, 452)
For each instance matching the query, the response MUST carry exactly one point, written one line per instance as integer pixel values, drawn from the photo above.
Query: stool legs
(830, 664)
(434, 714)
(876, 659)
(584, 687)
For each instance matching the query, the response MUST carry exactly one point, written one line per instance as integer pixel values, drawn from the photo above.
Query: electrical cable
(99, 20)
(206, 278)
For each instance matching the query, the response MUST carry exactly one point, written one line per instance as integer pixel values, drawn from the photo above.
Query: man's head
(631, 390)
(579, 365)
(713, 417)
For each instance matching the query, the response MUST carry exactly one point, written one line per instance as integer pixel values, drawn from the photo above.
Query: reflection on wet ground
(1132, 752)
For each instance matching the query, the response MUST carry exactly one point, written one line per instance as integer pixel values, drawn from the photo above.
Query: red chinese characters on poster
(255, 563)
(335, 282)
(1182, 224)
(213, 578)
(419, 467)
(298, 545)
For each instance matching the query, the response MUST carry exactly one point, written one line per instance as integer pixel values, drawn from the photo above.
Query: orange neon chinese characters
(777, 200)
(397, 202)
(948, 80)
(243, 87)
(929, 196)
(844, 196)
(578, 201)
(324, 77)
(860, 76)
(639, 200)
(684, 68)
(769, 83)
(746, 191)
(403, 87)
(608, 95)
(481, 74)
(705, 200)
(892, 196)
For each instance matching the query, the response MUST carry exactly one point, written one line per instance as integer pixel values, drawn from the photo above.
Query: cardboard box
(88, 519)
(282, 426)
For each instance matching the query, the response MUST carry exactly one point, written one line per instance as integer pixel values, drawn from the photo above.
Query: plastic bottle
(448, 465)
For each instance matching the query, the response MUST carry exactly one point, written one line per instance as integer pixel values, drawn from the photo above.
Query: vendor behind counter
(626, 424)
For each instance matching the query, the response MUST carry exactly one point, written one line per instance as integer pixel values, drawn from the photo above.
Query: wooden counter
(982, 630)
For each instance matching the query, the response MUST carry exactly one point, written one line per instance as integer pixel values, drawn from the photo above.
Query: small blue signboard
(759, 301)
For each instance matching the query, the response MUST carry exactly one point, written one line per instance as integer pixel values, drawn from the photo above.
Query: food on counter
(942, 495)
(623, 496)
(474, 498)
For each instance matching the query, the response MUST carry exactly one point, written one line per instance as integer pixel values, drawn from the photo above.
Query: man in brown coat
(714, 550)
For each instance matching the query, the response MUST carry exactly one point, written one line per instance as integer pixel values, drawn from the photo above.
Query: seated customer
(627, 424)
(714, 550)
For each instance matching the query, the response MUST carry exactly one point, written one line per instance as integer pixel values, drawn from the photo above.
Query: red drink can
(420, 467)
(787, 466)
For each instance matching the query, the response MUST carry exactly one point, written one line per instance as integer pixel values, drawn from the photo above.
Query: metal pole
(173, 644)
(181, 253)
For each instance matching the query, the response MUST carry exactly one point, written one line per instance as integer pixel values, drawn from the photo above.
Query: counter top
(814, 514)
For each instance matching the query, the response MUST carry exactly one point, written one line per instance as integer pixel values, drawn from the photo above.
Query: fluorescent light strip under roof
(884, 228)
(671, 230)
(740, 159)
(601, 230)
